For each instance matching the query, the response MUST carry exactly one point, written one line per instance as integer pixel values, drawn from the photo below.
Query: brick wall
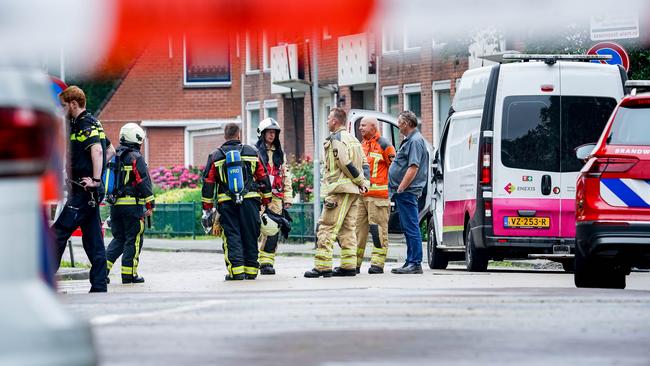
(166, 146)
(423, 66)
(204, 145)
(153, 90)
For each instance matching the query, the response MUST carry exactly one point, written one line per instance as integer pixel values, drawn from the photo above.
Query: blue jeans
(407, 208)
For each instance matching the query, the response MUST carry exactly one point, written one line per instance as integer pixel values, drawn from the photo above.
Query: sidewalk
(396, 252)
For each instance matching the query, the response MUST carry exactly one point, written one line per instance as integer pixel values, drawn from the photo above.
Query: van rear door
(526, 151)
(589, 95)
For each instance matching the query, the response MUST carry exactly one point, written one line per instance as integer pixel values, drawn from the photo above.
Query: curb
(71, 274)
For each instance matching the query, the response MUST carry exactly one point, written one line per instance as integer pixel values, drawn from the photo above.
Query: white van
(506, 170)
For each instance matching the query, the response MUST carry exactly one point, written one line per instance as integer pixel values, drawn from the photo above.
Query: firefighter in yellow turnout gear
(274, 161)
(375, 206)
(345, 178)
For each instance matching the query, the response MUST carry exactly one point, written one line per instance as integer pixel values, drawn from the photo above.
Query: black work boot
(132, 279)
(375, 270)
(341, 272)
(410, 269)
(249, 276)
(237, 277)
(314, 273)
(267, 269)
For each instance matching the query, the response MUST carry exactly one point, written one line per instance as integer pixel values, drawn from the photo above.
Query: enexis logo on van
(510, 188)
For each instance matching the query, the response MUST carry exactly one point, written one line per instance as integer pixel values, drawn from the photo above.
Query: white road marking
(114, 318)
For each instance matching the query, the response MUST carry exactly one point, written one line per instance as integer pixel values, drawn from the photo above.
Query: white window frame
(388, 91)
(406, 43)
(384, 42)
(251, 135)
(250, 71)
(412, 89)
(438, 125)
(270, 104)
(202, 84)
(266, 57)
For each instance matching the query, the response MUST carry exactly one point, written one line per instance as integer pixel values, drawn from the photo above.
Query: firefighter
(88, 150)
(239, 187)
(273, 159)
(134, 201)
(374, 206)
(345, 178)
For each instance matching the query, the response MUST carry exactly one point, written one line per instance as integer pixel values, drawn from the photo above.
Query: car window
(583, 121)
(631, 126)
(387, 130)
(462, 143)
(530, 133)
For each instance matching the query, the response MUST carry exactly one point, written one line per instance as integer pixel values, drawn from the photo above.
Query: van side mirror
(584, 151)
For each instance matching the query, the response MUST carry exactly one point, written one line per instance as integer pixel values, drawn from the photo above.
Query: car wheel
(590, 272)
(476, 260)
(437, 258)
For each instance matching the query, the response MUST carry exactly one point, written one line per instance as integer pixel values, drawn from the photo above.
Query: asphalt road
(185, 314)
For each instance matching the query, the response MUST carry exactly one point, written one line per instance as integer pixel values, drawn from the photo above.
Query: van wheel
(437, 258)
(476, 260)
(591, 272)
(568, 265)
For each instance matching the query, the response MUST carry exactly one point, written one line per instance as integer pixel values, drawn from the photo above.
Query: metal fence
(302, 228)
(184, 219)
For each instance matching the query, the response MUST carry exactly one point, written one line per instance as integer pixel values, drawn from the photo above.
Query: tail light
(487, 205)
(486, 167)
(596, 167)
(26, 140)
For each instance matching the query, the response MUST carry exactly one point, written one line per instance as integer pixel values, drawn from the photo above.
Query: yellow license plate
(526, 222)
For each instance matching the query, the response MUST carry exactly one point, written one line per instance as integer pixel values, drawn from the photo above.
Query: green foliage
(575, 39)
(97, 91)
(179, 195)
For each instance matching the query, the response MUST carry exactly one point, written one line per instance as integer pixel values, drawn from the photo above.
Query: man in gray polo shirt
(407, 178)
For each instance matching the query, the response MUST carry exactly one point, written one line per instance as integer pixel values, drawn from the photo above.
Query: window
(540, 132)
(252, 53)
(583, 121)
(413, 99)
(271, 109)
(253, 118)
(392, 40)
(531, 132)
(441, 105)
(207, 61)
(413, 39)
(268, 40)
(630, 127)
(391, 105)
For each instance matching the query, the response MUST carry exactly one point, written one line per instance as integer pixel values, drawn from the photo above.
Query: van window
(583, 121)
(630, 127)
(541, 132)
(462, 143)
(530, 133)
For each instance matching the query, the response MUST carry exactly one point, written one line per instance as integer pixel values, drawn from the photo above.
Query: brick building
(183, 91)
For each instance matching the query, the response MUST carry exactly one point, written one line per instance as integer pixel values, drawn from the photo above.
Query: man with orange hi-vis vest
(374, 207)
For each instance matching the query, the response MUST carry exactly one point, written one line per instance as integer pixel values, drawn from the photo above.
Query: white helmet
(267, 124)
(269, 226)
(132, 133)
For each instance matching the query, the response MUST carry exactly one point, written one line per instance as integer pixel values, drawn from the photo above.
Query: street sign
(614, 27)
(618, 53)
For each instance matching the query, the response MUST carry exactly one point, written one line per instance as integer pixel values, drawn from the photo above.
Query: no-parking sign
(618, 53)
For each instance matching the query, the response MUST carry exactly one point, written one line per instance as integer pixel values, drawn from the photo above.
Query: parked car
(388, 126)
(505, 169)
(34, 327)
(613, 197)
